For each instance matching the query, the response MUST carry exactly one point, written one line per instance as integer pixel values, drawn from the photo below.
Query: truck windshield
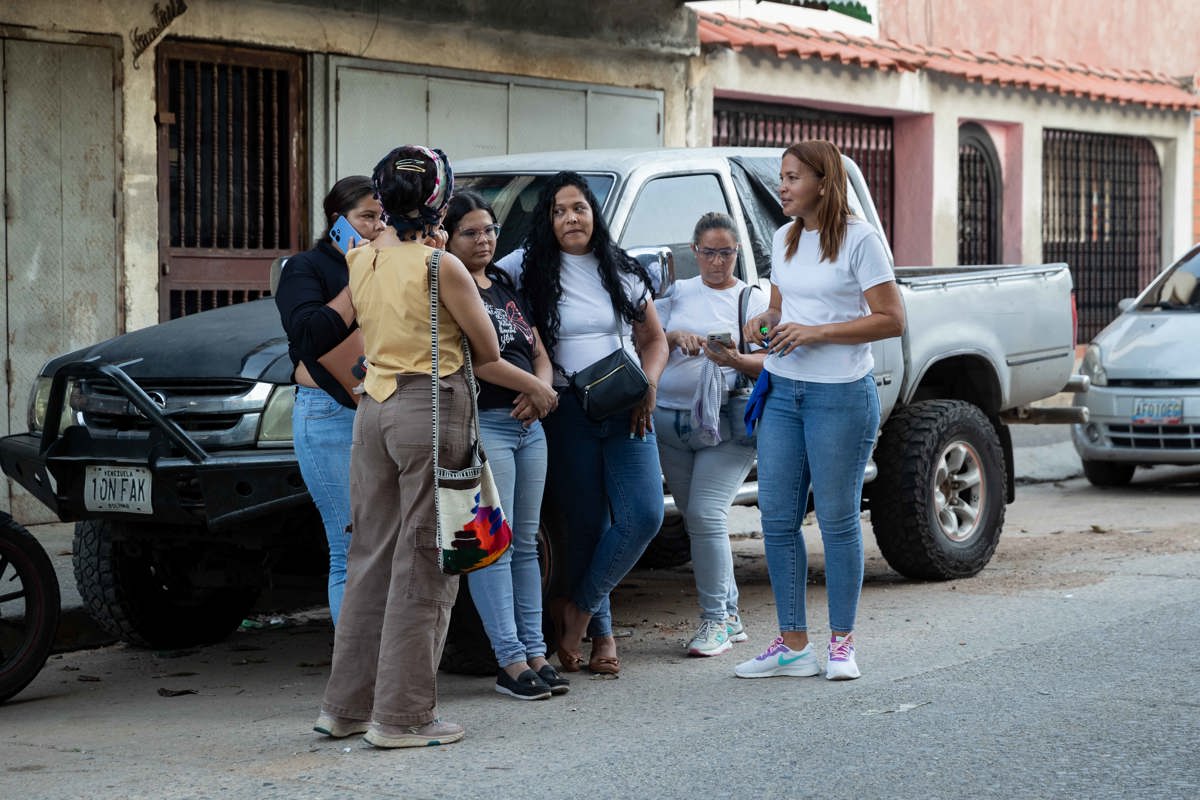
(513, 197)
(1177, 288)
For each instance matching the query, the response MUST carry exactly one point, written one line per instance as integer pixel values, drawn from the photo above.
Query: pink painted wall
(1158, 35)
(912, 241)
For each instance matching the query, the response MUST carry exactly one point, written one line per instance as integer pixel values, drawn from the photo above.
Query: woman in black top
(314, 306)
(508, 594)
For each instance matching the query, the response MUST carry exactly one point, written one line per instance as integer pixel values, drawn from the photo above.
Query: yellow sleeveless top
(390, 290)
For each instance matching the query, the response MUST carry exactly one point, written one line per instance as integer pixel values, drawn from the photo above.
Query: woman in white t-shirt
(701, 439)
(588, 297)
(833, 292)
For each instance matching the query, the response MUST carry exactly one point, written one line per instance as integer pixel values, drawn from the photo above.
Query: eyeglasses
(724, 253)
(488, 232)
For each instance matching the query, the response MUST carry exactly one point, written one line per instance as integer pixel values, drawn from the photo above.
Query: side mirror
(1126, 303)
(660, 263)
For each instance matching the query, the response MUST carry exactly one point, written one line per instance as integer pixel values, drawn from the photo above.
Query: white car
(1144, 399)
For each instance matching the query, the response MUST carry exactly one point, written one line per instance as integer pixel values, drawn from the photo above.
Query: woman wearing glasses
(508, 594)
(704, 451)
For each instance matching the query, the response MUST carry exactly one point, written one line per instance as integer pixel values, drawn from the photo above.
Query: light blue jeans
(608, 487)
(704, 479)
(321, 431)
(818, 433)
(508, 594)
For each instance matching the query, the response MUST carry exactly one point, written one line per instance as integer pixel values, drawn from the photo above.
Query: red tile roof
(1122, 87)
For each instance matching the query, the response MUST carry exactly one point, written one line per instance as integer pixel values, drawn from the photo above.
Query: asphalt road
(1069, 668)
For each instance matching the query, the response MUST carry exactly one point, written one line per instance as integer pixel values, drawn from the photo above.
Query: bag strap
(435, 259)
(743, 309)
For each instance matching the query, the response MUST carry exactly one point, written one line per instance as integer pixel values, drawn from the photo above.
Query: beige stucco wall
(928, 177)
(648, 63)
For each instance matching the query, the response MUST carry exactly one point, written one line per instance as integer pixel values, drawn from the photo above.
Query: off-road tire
(136, 589)
(27, 577)
(916, 502)
(672, 547)
(1107, 474)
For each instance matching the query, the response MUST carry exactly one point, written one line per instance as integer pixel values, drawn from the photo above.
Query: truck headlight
(1092, 367)
(39, 402)
(276, 424)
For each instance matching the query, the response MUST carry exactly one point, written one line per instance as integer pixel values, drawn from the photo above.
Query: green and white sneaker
(735, 629)
(780, 660)
(711, 639)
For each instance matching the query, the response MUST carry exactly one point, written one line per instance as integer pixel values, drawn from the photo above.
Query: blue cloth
(508, 593)
(757, 401)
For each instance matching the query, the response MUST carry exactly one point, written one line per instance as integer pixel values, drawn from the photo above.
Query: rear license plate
(125, 489)
(1157, 411)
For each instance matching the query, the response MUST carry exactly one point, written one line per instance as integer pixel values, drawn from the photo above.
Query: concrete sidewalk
(1041, 453)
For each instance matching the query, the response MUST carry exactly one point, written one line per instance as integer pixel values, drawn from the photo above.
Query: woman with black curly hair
(588, 297)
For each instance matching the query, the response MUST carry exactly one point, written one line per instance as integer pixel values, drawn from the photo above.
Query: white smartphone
(724, 338)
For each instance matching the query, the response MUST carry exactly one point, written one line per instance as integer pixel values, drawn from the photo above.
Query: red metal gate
(867, 140)
(231, 187)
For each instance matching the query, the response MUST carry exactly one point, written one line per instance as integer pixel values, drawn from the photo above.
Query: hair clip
(410, 165)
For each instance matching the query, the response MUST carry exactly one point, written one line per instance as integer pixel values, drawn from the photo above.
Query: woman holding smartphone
(314, 307)
(704, 474)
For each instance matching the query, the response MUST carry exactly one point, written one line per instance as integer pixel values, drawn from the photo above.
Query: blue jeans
(704, 480)
(609, 489)
(321, 431)
(818, 433)
(508, 594)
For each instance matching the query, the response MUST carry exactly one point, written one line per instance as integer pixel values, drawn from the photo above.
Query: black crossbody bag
(611, 385)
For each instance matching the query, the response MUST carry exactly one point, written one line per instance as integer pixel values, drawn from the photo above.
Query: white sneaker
(780, 660)
(735, 628)
(841, 665)
(711, 639)
(428, 735)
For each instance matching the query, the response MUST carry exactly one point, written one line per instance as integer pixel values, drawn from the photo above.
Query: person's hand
(438, 240)
(536, 404)
(722, 355)
(758, 328)
(691, 344)
(787, 337)
(641, 418)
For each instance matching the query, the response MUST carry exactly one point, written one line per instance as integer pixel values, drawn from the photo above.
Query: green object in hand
(763, 330)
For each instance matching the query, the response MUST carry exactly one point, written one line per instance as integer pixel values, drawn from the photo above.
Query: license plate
(1158, 411)
(125, 489)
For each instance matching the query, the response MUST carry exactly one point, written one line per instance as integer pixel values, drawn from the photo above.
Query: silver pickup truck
(175, 458)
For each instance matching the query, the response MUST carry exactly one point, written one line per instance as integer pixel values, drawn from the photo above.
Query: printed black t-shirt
(513, 329)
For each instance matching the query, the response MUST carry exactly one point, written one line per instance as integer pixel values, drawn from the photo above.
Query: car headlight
(39, 402)
(1092, 367)
(275, 428)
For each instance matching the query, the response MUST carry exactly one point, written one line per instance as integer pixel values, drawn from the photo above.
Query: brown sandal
(570, 660)
(605, 665)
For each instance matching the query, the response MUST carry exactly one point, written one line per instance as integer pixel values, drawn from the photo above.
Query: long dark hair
(542, 264)
(462, 203)
(342, 198)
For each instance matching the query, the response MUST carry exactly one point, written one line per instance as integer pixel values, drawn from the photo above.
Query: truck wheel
(144, 592)
(670, 548)
(1107, 473)
(468, 650)
(29, 607)
(937, 505)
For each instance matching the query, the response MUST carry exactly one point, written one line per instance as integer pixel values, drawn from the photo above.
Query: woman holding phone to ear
(314, 307)
(704, 474)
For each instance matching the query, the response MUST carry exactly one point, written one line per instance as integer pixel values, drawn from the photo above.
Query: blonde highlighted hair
(833, 208)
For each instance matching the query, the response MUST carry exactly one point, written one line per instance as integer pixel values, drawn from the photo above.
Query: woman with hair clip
(833, 292)
(589, 297)
(508, 594)
(397, 603)
(314, 307)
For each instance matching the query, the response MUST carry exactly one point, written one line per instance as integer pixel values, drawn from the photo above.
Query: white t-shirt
(587, 330)
(699, 309)
(817, 292)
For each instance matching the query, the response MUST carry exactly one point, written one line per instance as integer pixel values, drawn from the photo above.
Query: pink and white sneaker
(841, 666)
(780, 660)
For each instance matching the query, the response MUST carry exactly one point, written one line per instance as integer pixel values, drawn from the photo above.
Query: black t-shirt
(511, 320)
